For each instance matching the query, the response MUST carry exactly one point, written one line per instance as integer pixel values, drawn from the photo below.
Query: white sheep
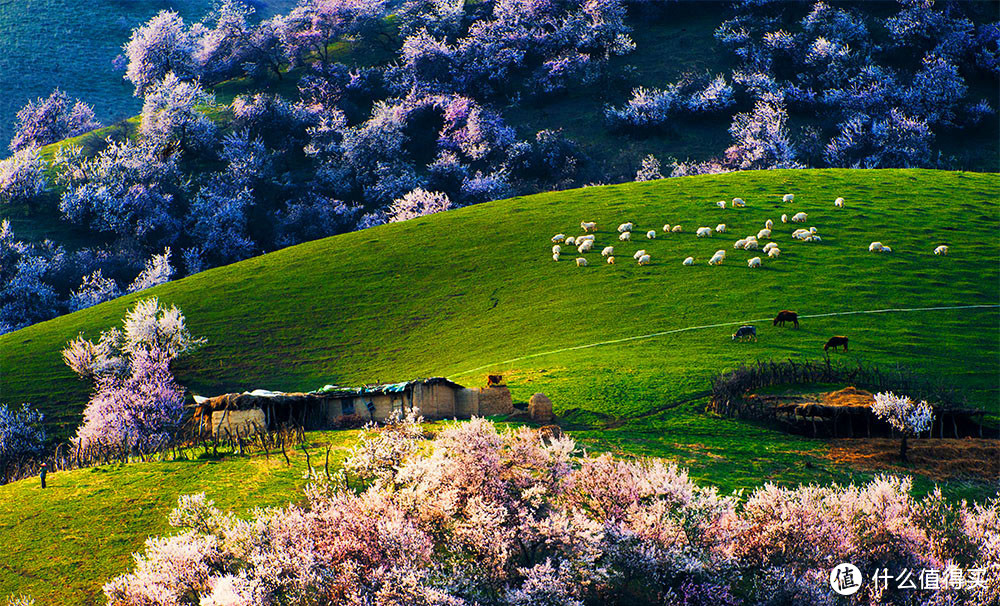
(769, 246)
(717, 258)
(666, 227)
(624, 227)
(704, 232)
(588, 225)
(754, 262)
(688, 261)
(651, 234)
(676, 229)
(721, 203)
(739, 243)
(644, 260)
(556, 239)
(751, 245)
(886, 248)
(799, 217)
(584, 238)
(800, 234)
(875, 247)
(769, 224)
(585, 247)
(941, 250)
(839, 203)
(784, 218)
(738, 203)
(764, 233)
(720, 228)
(581, 262)
(570, 241)
(774, 252)
(625, 236)
(813, 230)
(611, 260)
(608, 251)
(557, 249)
(814, 238)
(788, 198)
(555, 256)
(638, 254)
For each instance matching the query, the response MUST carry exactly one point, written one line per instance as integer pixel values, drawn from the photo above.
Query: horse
(786, 316)
(836, 342)
(745, 331)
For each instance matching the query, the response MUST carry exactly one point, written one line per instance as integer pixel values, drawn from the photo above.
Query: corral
(435, 398)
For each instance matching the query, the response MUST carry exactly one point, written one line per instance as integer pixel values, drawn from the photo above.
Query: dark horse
(836, 342)
(786, 316)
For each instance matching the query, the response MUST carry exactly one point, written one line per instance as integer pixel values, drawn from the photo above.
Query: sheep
(644, 260)
(556, 239)
(799, 217)
(717, 258)
(886, 248)
(638, 254)
(814, 238)
(788, 198)
(875, 247)
(625, 236)
(738, 203)
(764, 233)
(651, 234)
(801, 234)
(555, 256)
(557, 249)
(720, 228)
(739, 243)
(581, 262)
(721, 204)
(666, 227)
(570, 241)
(941, 250)
(769, 246)
(584, 238)
(704, 232)
(784, 218)
(839, 203)
(688, 261)
(676, 229)
(774, 252)
(751, 245)
(611, 260)
(608, 251)
(624, 227)
(813, 230)
(754, 262)
(588, 225)
(769, 224)
(585, 247)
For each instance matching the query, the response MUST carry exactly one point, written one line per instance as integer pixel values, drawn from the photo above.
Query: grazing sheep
(836, 342)
(941, 250)
(784, 218)
(651, 234)
(886, 248)
(588, 225)
(704, 232)
(773, 252)
(688, 261)
(720, 228)
(644, 260)
(738, 203)
(555, 256)
(581, 262)
(624, 227)
(754, 262)
(666, 227)
(625, 236)
(814, 238)
(764, 233)
(557, 249)
(585, 247)
(875, 247)
(799, 217)
(556, 239)
(584, 238)
(570, 241)
(717, 258)
(721, 203)
(751, 245)
(788, 198)
(813, 230)
(769, 224)
(739, 243)
(638, 254)
(611, 260)
(839, 203)
(676, 229)
(608, 251)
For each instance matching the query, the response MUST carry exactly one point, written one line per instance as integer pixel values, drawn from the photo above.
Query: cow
(836, 342)
(745, 331)
(786, 316)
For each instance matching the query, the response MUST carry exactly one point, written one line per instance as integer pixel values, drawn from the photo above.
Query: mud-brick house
(436, 398)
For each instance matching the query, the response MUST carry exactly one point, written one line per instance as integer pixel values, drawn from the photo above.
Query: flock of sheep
(585, 243)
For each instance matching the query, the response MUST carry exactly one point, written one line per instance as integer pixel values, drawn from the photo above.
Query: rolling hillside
(458, 293)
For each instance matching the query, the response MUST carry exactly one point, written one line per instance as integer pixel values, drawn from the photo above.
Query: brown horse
(836, 342)
(786, 316)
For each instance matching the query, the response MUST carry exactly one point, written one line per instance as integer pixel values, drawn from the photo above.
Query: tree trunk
(902, 450)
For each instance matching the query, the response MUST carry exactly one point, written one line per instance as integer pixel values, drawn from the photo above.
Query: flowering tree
(21, 432)
(418, 203)
(26, 270)
(94, 289)
(760, 137)
(171, 116)
(162, 46)
(650, 169)
(45, 121)
(22, 176)
(136, 401)
(157, 271)
(314, 26)
(906, 416)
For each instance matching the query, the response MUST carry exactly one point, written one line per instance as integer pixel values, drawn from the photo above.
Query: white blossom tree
(908, 417)
(418, 203)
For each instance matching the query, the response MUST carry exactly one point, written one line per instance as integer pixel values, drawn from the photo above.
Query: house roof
(333, 391)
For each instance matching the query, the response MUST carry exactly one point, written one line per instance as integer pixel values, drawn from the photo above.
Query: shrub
(22, 177)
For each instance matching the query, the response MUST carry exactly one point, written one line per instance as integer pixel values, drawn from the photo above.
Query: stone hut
(436, 398)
